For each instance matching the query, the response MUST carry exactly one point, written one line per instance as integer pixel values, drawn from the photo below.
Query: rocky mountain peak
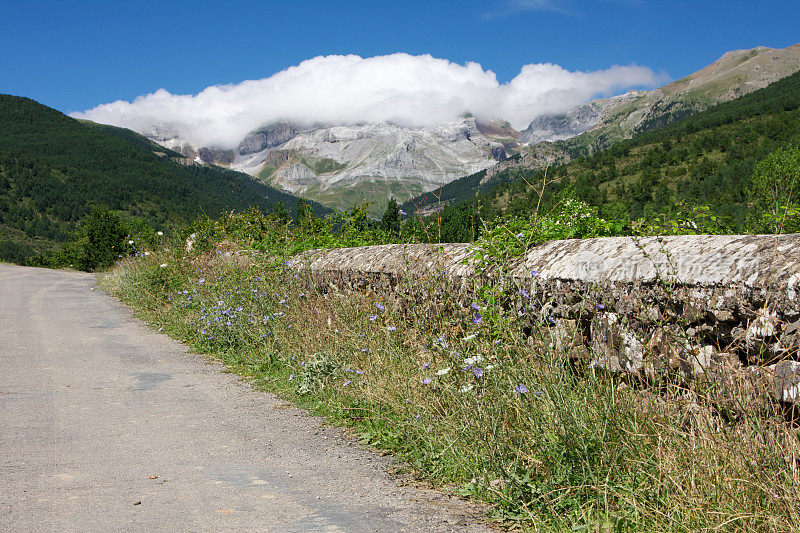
(268, 136)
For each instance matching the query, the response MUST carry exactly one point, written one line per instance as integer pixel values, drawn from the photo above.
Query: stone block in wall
(786, 379)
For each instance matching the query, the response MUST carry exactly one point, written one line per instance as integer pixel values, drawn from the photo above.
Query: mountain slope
(606, 121)
(706, 159)
(52, 167)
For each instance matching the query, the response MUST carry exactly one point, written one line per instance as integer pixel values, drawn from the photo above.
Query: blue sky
(76, 55)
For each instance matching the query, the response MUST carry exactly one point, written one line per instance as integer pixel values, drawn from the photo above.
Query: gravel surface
(107, 425)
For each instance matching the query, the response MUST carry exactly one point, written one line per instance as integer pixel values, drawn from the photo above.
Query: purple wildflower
(600, 306)
(390, 328)
(534, 273)
(478, 371)
(291, 377)
(365, 350)
(520, 389)
(524, 293)
(346, 383)
(380, 306)
(201, 280)
(474, 306)
(426, 381)
(477, 319)
(426, 365)
(403, 213)
(372, 317)
(551, 320)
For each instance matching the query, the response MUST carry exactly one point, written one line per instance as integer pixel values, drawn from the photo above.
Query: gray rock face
(161, 133)
(217, 157)
(499, 153)
(267, 137)
(549, 128)
(559, 127)
(335, 159)
(297, 176)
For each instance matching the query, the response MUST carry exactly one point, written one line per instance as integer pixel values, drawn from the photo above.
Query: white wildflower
(443, 371)
(466, 388)
(162, 265)
(474, 360)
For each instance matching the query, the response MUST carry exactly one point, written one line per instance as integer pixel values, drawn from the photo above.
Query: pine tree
(391, 218)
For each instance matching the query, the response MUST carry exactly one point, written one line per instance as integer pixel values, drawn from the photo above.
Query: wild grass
(473, 400)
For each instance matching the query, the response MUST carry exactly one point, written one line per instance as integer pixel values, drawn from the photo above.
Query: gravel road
(106, 425)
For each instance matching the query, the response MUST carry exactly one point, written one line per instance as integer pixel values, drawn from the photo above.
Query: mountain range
(344, 165)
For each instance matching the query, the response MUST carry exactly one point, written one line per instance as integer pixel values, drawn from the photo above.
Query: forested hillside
(704, 160)
(52, 168)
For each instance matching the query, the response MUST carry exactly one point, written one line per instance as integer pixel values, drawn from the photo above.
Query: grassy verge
(471, 398)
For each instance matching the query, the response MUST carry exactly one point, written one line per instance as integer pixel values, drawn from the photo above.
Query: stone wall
(697, 303)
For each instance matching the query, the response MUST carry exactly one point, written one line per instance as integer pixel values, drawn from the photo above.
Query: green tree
(391, 217)
(305, 213)
(280, 212)
(99, 241)
(774, 191)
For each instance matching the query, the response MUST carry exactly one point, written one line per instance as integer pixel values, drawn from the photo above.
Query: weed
(492, 406)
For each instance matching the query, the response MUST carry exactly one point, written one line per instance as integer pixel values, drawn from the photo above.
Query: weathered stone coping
(769, 262)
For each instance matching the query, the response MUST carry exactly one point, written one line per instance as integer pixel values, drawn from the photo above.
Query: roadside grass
(473, 399)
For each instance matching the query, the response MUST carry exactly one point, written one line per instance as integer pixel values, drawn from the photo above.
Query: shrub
(773, 194)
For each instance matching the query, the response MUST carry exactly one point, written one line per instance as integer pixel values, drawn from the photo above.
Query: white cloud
(537, 5)
(400, 88)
